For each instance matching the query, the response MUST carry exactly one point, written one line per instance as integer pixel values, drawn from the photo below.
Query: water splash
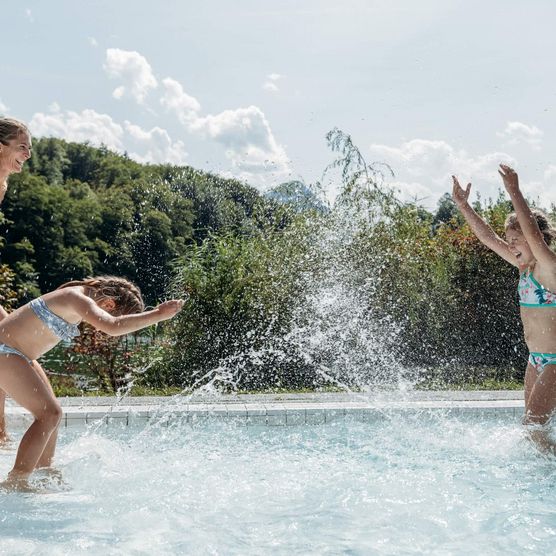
(334, 337)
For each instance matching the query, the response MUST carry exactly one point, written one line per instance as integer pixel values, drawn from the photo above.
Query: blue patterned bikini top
(63, 329)
(532, 294)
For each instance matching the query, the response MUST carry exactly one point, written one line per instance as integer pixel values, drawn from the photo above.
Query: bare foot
(17, 484)
(542, 438)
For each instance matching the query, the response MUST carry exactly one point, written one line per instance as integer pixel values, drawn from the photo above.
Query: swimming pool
(404, 483)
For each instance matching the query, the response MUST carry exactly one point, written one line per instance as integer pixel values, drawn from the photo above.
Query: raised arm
(119, 325)
(481, 229)
(527, 221)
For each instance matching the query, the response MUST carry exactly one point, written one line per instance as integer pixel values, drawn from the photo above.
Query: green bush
(242, 292)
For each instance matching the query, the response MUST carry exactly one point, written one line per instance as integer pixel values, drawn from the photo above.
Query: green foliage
(79, 210)
(144, 227)
(453, 298)
(241, 292)
(440, 298)
(52, 229)
(8, 295)
(101, 363)
(361, 192)
(223, 205)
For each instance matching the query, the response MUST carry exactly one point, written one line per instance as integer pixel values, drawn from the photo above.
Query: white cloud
(134, 70)
(250, 144)
(550, 173)
(118, 92)
(29, 15)
(415, 191)
(3, 107)
(177, 100)
(154, 146)
(516, 133)
(423, 168)
(93, 42)
(87, 125)
(545, 189)
(157, 144)
(271, 83)
(245, 133)
(542, 193)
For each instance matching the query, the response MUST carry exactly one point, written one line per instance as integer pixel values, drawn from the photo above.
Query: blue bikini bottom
(541, 360)
(4, 348)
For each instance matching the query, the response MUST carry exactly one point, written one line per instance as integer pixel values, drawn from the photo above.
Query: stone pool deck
(278, 409)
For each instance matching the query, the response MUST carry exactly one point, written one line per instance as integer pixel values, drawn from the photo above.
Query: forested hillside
(77, 211)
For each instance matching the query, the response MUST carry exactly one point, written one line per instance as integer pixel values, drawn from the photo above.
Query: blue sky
(249, 88)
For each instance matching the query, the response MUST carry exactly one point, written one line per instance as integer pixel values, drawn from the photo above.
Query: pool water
(403, 484)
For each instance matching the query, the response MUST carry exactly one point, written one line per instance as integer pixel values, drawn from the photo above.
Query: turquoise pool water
(404, 484)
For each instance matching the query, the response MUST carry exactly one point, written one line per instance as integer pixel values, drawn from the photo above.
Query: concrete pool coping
(278, 409)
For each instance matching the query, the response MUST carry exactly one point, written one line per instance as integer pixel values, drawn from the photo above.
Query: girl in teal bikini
(528, 236)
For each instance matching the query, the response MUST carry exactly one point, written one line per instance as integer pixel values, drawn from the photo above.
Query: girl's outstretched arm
(481, 229)
(119, 325)
(526, 219)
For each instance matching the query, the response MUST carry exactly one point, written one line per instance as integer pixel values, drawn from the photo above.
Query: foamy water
(403, 484)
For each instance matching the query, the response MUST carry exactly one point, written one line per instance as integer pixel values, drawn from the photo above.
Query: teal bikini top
(532, 294)
(63, 329)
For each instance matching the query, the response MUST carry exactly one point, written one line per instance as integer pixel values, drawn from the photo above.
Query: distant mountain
(298, 195)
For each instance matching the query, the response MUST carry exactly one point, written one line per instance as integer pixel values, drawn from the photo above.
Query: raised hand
(168, 309)
(509, 177)
(459, 194)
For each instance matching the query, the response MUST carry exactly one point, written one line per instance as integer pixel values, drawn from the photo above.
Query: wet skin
(539, 324)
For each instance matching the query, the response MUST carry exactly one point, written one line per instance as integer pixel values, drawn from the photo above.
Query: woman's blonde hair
(545, 226)
(126, 295)
(10, 128)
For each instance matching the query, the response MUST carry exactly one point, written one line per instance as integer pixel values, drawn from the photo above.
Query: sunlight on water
(404, 483)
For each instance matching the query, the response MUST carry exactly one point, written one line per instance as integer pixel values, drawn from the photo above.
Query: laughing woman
(15, 150)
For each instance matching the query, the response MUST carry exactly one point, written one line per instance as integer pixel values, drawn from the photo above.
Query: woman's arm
(527, 221)
(481, 229)
(3, 190)
(118, 326)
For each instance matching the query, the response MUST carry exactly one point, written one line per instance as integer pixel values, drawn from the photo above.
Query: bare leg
(48, 453)
(3, 432)
(531, 376)
(21, 381)
(540, 405)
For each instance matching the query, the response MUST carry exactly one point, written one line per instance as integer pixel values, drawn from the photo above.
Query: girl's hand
(168, 309)
(459, 194)
(509, 177)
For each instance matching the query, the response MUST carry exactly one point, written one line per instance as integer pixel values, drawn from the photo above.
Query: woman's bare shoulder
(69, 302)
(72, 292)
